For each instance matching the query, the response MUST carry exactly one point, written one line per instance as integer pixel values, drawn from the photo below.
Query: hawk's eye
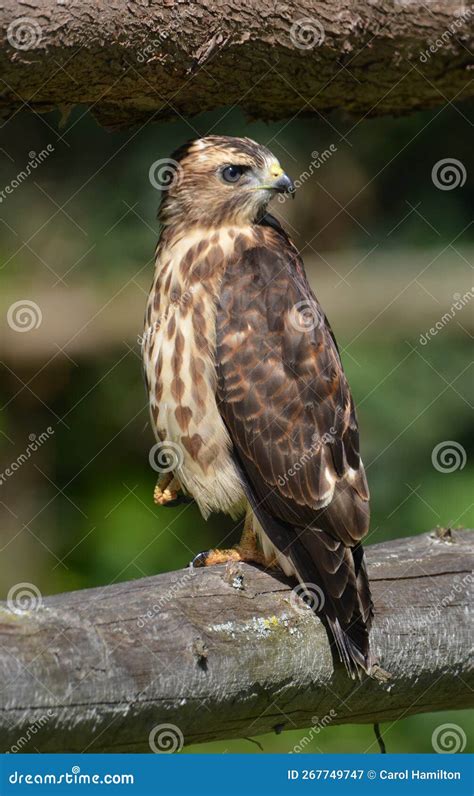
(232, 173)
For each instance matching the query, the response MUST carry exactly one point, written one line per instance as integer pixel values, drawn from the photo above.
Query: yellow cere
(276, 170)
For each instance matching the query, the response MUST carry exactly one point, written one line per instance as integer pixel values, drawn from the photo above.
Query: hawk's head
(219, 180)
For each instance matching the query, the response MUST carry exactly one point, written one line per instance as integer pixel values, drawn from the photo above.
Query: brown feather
(252, 394)
(293, 426)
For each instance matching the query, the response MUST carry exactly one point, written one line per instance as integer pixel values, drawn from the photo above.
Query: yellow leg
(248, 546)
(247, 549)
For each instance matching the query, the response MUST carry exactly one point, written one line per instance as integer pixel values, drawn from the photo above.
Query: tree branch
(229, 652)
(134, 61)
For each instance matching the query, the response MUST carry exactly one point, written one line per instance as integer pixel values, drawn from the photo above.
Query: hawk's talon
(247, 550)
(166, 490)
(162, 497)
(209, 558)
(199, 560)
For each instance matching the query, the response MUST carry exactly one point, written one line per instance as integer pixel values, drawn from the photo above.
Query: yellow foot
(241, 552)
(247, 550)
(166, 490)
(161, 497)
(210, 557)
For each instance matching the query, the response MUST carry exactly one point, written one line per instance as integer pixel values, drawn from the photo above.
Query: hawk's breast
(179, 356)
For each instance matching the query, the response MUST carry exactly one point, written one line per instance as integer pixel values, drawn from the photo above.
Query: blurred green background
(387, 252)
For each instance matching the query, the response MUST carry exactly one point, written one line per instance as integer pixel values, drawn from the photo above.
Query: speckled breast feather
(178, 351)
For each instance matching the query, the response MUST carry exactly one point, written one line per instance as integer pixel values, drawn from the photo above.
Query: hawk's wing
(286, 403)
(282, 390)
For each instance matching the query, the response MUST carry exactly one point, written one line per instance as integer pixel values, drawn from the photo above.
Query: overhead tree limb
(131, 61)
(228, 652)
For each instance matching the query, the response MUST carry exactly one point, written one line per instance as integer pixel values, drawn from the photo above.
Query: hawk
(246, 386)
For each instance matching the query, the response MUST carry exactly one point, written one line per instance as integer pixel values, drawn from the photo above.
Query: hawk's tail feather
(346, 605)
(350, 653)
(338, 570)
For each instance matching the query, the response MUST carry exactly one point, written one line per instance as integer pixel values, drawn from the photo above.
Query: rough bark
(130, 61)
(229, 652)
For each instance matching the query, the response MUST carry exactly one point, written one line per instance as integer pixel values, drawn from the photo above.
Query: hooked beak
(284, 184)
(278, 181)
